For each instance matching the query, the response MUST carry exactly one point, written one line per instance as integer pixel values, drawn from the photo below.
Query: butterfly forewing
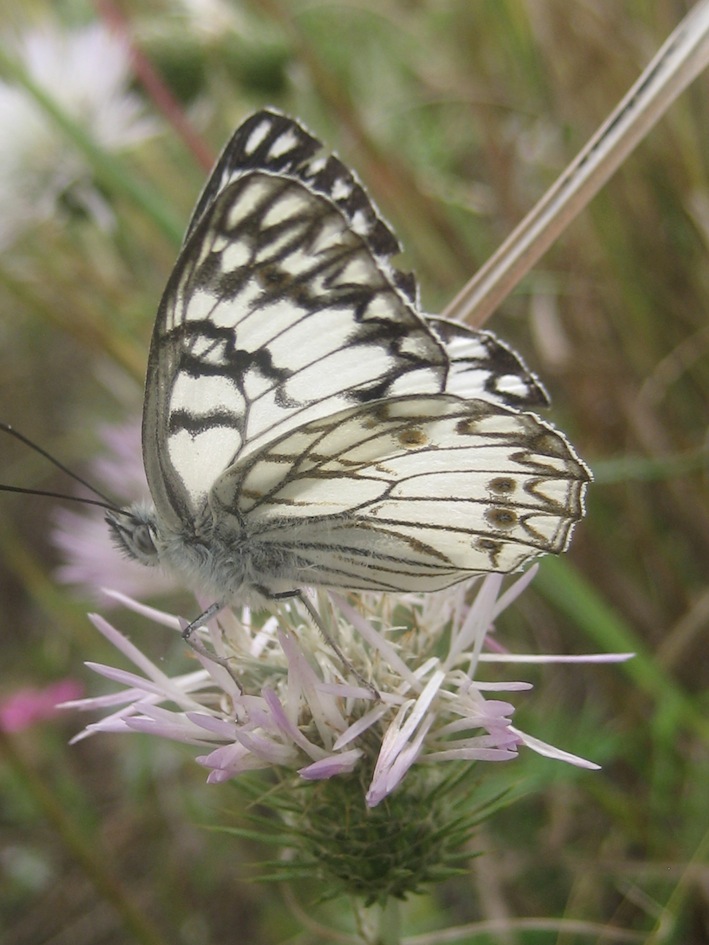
(305, 423)
(277, 313)
(482, 366)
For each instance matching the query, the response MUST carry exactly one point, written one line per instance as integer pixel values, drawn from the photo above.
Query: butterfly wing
(480, 366)
(284, 307)
(413, 494)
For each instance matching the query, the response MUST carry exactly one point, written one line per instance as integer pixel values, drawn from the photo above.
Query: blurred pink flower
(25, 707)
(90, 559)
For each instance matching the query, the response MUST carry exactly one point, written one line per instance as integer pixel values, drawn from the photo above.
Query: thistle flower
(87, 71)
(277, 696)
(379, 736)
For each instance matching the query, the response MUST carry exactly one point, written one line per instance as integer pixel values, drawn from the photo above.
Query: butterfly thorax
(215, 556)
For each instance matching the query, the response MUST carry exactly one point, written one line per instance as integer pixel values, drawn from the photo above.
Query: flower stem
(379, 924)
(683, 56)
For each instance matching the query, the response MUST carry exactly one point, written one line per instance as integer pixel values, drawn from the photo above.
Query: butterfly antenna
(59, 495)
(105, 501)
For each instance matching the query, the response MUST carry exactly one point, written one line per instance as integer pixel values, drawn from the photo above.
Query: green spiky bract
(417, 836)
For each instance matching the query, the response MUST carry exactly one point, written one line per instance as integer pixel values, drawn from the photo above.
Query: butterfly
(305, 423)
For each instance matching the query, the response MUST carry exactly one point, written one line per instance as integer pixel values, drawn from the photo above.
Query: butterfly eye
(134, 533)
(143, 543)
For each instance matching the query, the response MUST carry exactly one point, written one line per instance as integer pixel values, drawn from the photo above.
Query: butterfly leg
(210, 612)
(315, 617)
(194, 643)
(213, 610)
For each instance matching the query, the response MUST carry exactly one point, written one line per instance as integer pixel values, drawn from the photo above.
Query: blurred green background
(457, 116)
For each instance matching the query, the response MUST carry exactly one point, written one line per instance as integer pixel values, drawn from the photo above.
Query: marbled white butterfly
(305, 424)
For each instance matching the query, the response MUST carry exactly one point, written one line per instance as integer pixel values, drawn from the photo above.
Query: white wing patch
(284, 143)
(257, 136)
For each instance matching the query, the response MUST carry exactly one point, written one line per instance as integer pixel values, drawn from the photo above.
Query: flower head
(277, 695)
(357, 736)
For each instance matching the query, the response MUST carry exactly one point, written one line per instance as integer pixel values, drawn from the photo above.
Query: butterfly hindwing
(415, 493)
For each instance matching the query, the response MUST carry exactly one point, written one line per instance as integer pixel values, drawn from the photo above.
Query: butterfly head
(134, 531)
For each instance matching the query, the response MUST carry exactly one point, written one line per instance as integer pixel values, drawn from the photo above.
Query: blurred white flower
(87, 72)
(276, 696)
(212, 17)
